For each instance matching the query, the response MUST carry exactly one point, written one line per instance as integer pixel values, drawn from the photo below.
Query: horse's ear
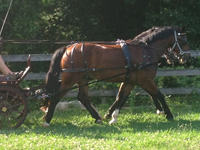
(183, 30)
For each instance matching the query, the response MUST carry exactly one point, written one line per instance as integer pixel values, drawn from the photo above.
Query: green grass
(137, 128)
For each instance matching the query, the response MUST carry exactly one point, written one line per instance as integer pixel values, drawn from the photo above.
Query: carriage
(13, 104)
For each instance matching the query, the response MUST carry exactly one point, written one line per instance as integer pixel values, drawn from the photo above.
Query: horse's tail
(52, 77)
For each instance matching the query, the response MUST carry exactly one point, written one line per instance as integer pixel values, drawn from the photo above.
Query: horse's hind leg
(68, 80)
(84, 99)
(124, 92)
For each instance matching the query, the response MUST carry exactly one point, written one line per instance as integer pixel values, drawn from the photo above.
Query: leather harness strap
(85, 62)
(130, 67)
(127, 55)
(72, 53)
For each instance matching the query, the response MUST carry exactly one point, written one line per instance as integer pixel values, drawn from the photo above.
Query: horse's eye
(184, 41)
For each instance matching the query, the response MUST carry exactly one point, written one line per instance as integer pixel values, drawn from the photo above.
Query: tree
(92, 20)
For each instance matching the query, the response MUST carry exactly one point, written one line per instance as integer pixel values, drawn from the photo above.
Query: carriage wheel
(13, 107)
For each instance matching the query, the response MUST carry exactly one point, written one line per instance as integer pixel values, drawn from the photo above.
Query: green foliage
(94, 20)
(168, 82)
(47, 1)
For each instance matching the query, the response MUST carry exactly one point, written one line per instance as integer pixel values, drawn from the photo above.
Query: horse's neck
(160, 47)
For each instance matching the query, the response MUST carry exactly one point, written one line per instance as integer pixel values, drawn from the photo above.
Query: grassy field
(137, 128)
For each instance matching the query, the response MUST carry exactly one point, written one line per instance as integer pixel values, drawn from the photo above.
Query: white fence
(166, 72)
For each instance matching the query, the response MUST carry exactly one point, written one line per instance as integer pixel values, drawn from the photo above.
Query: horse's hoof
(98, 121)
(107, 116)
(160, 112)
(45, 124)
(113, 121)
(170, 117)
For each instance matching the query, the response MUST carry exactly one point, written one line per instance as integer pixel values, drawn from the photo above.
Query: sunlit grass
(137, 128)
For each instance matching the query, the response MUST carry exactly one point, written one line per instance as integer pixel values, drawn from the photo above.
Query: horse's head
(52, 82)
(179, 46)
(51, 86)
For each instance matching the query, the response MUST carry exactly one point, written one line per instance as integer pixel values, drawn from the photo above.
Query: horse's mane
(153, 34)
(139, 39)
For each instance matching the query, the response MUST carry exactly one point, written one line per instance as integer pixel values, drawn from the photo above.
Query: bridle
(181, 52)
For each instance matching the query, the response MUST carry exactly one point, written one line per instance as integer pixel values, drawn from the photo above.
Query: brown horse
(133, 62)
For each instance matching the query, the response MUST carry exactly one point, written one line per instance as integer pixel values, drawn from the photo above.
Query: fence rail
(47, 57)
(104, 93)
(113, 92)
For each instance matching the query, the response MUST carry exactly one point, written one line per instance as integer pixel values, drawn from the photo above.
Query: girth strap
(127, 54)
(85, 62)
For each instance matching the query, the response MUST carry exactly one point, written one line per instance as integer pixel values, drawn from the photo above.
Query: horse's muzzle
(185, 59)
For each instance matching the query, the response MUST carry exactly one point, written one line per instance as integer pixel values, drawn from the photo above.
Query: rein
(141, 66)
(75, 87)
(90, 69)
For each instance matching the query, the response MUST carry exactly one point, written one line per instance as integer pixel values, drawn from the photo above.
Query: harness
(126, 52)
(127, 56)
(129, 66)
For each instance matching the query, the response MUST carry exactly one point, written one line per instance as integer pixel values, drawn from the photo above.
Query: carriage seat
(6, 81)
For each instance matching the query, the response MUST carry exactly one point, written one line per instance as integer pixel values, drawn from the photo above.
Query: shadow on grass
(77, 123)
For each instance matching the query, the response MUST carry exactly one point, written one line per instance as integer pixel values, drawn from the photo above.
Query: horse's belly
(109, 75)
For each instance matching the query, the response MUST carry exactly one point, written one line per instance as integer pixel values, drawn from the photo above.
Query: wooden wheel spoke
(7, 94)
(1, 99)
(14, 98)
(13, 117)
(13, 107)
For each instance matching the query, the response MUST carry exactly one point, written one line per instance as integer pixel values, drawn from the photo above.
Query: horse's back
(95, 55)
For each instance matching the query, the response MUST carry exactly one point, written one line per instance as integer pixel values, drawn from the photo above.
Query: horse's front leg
(49, 114)
(149, 85)
(157, 104)
(124, 92)
(167, 111)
